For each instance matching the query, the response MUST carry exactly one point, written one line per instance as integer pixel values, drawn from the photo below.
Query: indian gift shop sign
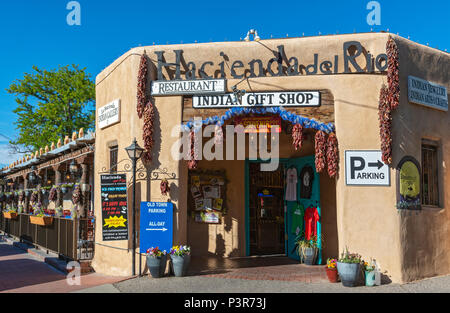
(156, 225)
(258, 99)
(109, 114)
(427, 93)
(114, 207)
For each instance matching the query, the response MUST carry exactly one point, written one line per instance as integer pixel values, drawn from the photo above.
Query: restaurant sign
(427, 93)
(109, 114)
(188, 87)
(261, 99)
(114, 207)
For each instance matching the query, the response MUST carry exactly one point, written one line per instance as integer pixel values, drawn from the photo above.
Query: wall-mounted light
(252, 32)
(238, 93)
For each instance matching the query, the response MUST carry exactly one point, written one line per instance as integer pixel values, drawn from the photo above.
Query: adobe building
(383, 97)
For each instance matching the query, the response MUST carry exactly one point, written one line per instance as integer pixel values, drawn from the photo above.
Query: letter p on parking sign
(366, 168)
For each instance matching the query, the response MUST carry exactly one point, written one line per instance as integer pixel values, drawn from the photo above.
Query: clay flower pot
(332, 274)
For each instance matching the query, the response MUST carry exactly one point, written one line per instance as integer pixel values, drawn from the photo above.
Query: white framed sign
(258, 99)
(366, 168)
(109, 114)
(427, 93)
(187, 87)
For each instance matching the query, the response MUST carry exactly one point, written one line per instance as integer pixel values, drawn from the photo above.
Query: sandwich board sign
(366, 168)
(156, 226)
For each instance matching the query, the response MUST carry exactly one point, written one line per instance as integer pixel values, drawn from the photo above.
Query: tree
(52, 104)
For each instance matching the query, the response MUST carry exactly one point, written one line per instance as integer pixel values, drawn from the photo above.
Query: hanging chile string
(392, 73)
(297, 136)
(141, 87)
(76, 195)
(218, 135)
(332, 155)
(145, 108)
(147, 135)
(320, 150)
(164, 186)
(53, 195)
(385, 119)
(192, 164)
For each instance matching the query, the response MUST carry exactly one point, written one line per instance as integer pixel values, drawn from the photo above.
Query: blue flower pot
(157, 265)
(180, 264)
(370, 278)
(348, 272)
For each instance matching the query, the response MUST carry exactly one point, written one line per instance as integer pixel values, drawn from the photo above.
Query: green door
(308, 196)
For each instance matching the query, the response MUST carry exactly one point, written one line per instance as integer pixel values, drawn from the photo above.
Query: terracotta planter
(41, 220)
(332, 274)
(10, 215)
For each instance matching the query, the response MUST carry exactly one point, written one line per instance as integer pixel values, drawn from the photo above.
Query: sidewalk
(22, 272)
(202, 284)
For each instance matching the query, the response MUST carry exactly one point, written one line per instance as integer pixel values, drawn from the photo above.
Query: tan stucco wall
(363, 219)
(425, 235)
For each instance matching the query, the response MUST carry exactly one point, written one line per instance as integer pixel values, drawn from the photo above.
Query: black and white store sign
(258, 99)
(366, 168)
(187, 87)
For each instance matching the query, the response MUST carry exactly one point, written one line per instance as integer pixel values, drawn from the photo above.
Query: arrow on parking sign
(378, 164)
(162, 229)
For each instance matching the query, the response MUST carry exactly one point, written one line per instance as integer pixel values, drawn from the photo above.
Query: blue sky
(35, 32)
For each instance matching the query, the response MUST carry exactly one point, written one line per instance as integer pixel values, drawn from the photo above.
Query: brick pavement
(21, 272)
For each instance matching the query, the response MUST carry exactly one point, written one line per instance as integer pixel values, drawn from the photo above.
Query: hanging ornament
(320, 150)
(141, 87)
(164, 186)
(332, 155)
(297, 136)
(385, 119)
(393, 74)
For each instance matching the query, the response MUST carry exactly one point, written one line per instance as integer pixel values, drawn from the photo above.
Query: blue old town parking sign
(156, 227)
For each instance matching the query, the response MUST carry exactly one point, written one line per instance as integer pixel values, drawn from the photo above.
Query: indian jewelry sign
(188, 87)
(427, 93)
(260, 99)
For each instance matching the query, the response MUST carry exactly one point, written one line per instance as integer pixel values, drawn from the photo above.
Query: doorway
(272, 225)
(266, 220)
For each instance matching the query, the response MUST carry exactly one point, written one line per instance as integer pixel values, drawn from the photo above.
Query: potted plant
(65, 188)
(307, 249)
(348, 267)
(369, 273)
(180, 258)
(40, 218)
(331, 270)
(10, 213)
(156, 262)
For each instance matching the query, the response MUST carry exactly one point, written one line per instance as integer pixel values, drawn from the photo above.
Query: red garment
(311, 219)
